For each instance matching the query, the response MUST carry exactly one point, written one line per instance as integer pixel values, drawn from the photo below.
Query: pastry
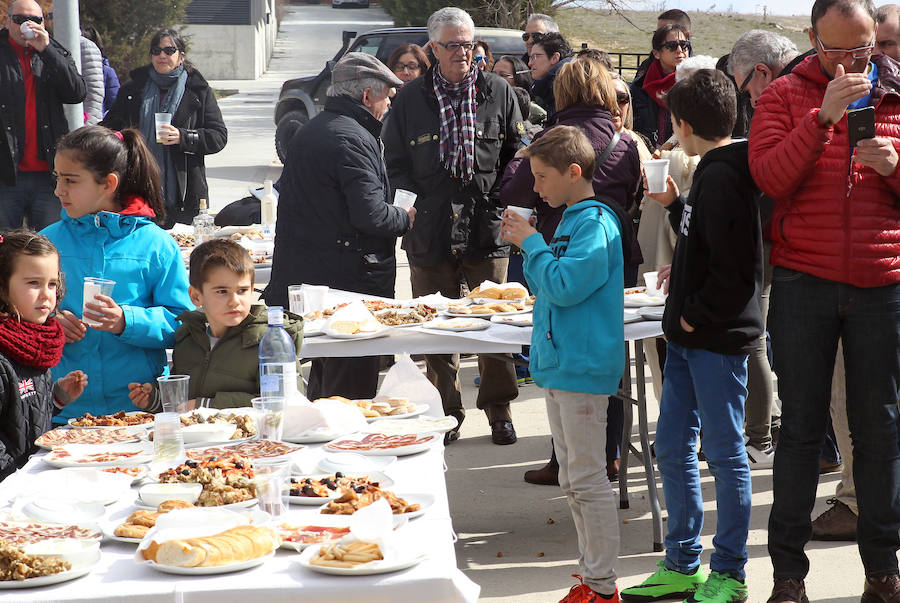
(131, 530)
(513, 293)
(143, 517)
(170, 505)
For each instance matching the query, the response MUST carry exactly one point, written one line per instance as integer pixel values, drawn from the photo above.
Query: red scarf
(136, 206)
(38, 346)
(656, 83)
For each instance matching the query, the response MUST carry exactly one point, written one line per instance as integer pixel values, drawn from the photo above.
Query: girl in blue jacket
(109, 187)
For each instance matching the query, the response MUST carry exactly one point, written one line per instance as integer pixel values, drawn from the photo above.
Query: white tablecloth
(119, 578)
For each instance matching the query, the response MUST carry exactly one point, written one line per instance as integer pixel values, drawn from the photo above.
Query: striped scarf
(457, 143)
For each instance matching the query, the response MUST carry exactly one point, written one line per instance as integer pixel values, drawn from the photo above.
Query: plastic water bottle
(204, 224)
(268, 208)
(277, 359)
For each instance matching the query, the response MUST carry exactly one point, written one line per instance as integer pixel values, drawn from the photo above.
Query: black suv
(302, 98)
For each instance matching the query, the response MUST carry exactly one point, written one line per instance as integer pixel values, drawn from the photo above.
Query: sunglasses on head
(169, 50)
(19, 19)
(673, 45)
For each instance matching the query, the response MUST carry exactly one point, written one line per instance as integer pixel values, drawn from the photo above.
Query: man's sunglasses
(673, 45)
(534, 36)
(19, 19)
(169, 50)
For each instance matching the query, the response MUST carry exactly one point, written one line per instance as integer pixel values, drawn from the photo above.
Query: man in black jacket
(37, 75)
(336, 225)
(449, 137)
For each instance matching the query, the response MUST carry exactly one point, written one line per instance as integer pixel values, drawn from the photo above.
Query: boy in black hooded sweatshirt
(711, 320)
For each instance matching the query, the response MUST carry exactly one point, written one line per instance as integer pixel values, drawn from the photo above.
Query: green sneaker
(720, 588)
(665, 584)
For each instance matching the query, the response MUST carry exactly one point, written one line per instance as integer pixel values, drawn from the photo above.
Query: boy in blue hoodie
(711, 320)
(578, 340)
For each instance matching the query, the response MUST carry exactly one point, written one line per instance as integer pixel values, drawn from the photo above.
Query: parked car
(340, 3)
(302, 98)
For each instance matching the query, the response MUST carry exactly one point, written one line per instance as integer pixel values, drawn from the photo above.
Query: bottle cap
(202, 203)
(276, 315)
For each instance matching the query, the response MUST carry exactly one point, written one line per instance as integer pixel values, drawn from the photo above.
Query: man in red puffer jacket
(836, 252)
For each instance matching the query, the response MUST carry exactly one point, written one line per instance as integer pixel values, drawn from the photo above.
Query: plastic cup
(651, 280)
(94, 286)
(295, 299)
(168, 440)
(271, 487)
(657, 170)
(315, 297)
(27, 33)
(404, 199)
(173, 390)
(270, 417)
(162, 119)
(525, 212)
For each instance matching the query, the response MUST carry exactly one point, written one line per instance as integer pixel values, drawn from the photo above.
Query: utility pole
(765, 11)
(67, 31)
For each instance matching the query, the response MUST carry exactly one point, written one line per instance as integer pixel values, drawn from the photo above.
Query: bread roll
(170, 505)
(143, 517)
(241, 543)
(492, 293)
(348, 327)
(513, 293)
(398, 401)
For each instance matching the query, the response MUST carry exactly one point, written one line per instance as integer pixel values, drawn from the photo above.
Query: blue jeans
(702, 388)
(32, 197)
(807, 317)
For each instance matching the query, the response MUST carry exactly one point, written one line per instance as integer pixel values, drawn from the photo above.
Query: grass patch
(224, 93)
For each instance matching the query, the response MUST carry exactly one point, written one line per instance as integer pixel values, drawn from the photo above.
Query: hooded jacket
(832, 219)
(453, 218)
(57, 81)
(200, 125)
(578, 339)
(92, 72)
(717, 266)
(151, 287)
(336, 223)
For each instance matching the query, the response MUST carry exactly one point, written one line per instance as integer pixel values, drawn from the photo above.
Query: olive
(339, 474)
(185, 472)
(239, 465)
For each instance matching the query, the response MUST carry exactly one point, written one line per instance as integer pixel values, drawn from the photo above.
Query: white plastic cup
(162, 119)
(269, 417)
(27, 33)
(651, 280)
(315, 297)
(657, 170)
(168, 439)
(295, 299)
(404, 199)
(271, 486)
(525, 212)
(173, 391)
(94, 286)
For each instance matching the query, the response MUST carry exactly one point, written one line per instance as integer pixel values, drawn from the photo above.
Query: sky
(775, 7)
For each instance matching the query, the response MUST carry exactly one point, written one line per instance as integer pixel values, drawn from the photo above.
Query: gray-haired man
(448, 139)
(757, 58)
(537, 25)
(336, 224)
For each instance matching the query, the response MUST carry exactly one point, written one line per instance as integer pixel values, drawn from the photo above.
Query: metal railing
(627, 63)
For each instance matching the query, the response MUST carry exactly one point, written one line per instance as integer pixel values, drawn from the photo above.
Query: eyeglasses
(535, 55)
(169, 50)
(836, 54)
(674, 45)
(622, 98)
(534, 36)
(406, 67)
(19, 19)
(454, 47)
(743, 87)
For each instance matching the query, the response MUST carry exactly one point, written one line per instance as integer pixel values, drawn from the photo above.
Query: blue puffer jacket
(578, 342)
(151, 287)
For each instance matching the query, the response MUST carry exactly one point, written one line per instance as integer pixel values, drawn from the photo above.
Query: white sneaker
(760, 459)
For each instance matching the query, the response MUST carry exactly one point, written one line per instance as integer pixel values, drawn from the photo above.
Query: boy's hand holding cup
(517, 224)
(658, 184)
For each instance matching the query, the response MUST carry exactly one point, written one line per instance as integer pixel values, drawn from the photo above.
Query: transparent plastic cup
(94, 286)
(270, 417)
(295, 299)
(173, 390)
(168, 440)
(271, 486)
(162, 119)
(404, 199)
(315, 297)
(657, 170)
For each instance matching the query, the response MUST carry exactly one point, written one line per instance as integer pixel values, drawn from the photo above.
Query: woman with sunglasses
(484, 58)
(171, 84)
(408, 61)
(651, 117)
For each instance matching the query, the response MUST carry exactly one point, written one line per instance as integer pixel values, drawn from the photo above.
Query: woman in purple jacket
(586, 98)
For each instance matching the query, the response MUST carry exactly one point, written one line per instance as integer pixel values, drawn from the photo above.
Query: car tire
(285, 130)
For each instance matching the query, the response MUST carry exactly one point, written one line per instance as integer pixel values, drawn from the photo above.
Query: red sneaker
(582, 593)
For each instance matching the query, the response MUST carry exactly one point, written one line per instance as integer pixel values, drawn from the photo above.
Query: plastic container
(204, 224)
(277, 359)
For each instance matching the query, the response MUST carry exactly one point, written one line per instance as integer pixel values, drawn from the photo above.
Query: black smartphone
(860, 124)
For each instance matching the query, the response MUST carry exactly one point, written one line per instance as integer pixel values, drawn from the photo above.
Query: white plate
(315, 436)
(652, 313)
(313, 328)
(420, 409)
(398, 451)
(374, 476)
(238, 505)
(135, 437)
(109, 532)
(491, 300)
(351, 463)
(423, 500)
(357, 336)
(632, 315)
(77, 572)
(639, 298)
(366, 569)
(399, 311)
(141, 426)
(257, 517)
(187, 446)
(474, 324)
(519, 320)
(206, 571)
(314, 500)
(82, 450)
(488, 314)
(416, 425)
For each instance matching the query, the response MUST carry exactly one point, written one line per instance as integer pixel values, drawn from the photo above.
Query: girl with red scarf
(31, 343)
(651, 117)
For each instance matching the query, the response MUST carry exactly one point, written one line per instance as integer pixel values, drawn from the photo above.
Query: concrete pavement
(516, 540)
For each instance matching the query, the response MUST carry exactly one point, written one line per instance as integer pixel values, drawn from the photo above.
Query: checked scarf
(457, 142)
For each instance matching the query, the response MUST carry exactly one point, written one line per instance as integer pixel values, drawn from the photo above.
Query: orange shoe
(582, 593)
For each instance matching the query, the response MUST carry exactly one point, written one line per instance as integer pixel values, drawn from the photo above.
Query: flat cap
(359, 65)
